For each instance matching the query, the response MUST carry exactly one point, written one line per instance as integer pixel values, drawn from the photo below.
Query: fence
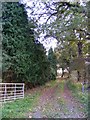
(11, 91)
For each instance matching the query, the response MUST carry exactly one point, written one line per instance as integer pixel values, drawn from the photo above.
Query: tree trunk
(79, 55)
(78, 76)
(84, 75)
(62, 73)
(79, 49)
(69, 72)
(88, 26)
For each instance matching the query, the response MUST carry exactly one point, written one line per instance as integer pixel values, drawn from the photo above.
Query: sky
(47, 42)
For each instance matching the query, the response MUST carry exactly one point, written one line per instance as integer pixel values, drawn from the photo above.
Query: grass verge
(82, 97)
(19, 108)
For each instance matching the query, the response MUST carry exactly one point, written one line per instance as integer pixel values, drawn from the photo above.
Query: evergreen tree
(15, 24)
(24, 59)
(53, 64)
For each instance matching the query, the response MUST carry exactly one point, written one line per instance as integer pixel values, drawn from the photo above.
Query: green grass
(61, 85)
(76, 89)
(50, 84)
(20, 108)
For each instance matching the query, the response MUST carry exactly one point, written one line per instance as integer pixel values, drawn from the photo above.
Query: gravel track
(57, 103)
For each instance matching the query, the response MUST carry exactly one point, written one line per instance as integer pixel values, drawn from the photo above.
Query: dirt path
(57, 102)
(73, 106)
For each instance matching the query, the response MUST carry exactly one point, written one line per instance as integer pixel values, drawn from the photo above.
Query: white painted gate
(11, 91)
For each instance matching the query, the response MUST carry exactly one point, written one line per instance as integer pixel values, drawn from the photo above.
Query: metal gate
(11, 91)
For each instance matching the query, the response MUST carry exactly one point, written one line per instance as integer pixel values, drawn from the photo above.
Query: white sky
(48, 42)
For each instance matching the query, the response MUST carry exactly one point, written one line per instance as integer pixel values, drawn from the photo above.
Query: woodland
(48, 94)
(24, 57)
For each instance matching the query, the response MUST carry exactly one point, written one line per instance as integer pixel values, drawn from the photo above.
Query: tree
(53, 64)
(66, 21)
(24, 58)
(65, 53)
(14, 35)
(39, 69)
(88, 43)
